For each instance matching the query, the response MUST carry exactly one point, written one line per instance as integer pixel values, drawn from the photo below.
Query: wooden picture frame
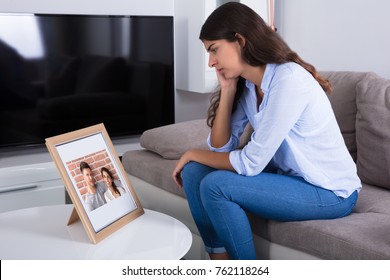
(99, 210)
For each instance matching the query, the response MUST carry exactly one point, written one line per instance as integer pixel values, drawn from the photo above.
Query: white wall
(338, 34)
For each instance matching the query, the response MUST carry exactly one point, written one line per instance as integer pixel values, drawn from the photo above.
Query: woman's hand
(176, 175)
(227, 85)
(209, 158)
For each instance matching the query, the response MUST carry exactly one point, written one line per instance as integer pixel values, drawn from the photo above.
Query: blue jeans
(219, 200)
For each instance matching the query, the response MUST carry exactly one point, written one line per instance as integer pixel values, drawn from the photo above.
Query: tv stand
(32, 185)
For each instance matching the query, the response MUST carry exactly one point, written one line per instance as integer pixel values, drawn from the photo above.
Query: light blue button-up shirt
(295, 130)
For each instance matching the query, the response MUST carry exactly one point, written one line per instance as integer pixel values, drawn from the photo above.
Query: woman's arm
(219, 136)
(221, 130)
(209, 158)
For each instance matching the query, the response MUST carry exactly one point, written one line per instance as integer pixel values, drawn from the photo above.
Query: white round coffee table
(42, 233)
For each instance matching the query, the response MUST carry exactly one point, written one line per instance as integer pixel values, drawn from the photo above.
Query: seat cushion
(151, 168)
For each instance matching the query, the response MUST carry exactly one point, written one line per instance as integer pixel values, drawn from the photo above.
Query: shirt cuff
(226, 148)
(235, 161)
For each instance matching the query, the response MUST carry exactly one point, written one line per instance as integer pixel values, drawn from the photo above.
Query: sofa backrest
(343, 100)
(373, 130)
(361, 102)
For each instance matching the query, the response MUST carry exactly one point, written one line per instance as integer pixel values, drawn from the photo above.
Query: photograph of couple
(96, 180)
(102, 192)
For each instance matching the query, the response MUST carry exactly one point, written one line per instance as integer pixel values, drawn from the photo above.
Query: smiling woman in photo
(114, 187)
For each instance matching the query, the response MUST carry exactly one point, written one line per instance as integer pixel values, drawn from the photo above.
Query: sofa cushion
(373, 130)
(373, 200)
(171, 141)
(343, 100)
(362, 235)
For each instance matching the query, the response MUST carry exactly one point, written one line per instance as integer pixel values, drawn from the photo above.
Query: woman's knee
(190, 170)
(193, 173)
(212, 186)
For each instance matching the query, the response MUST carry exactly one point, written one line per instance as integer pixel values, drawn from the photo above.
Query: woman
(296, 166)
(113, 191)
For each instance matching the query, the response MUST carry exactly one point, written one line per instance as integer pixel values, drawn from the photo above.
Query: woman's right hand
(227, 85)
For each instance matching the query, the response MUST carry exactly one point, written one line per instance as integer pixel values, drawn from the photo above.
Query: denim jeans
(219, 200)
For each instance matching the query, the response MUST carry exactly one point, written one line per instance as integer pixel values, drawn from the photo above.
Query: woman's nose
(212, 62)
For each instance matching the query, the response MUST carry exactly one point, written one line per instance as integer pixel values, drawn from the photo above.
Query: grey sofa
(361, 102)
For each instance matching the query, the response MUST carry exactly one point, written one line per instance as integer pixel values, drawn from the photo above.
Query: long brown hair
(263, 45)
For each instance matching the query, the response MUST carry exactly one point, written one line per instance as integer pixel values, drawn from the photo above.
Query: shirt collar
(269, 72)
(267, 77)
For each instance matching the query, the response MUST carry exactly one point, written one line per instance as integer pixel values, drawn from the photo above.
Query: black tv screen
(60, 73)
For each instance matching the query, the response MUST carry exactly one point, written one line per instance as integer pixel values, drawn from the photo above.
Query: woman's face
(107, 179)
(225, 57)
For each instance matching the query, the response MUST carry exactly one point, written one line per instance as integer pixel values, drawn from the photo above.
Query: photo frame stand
(74, 217)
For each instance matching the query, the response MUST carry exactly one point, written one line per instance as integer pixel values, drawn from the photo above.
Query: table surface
(42, 233)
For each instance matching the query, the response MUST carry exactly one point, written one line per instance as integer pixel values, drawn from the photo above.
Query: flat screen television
(60, 73)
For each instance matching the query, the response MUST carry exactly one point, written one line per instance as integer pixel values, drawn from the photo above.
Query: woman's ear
(240, 39)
